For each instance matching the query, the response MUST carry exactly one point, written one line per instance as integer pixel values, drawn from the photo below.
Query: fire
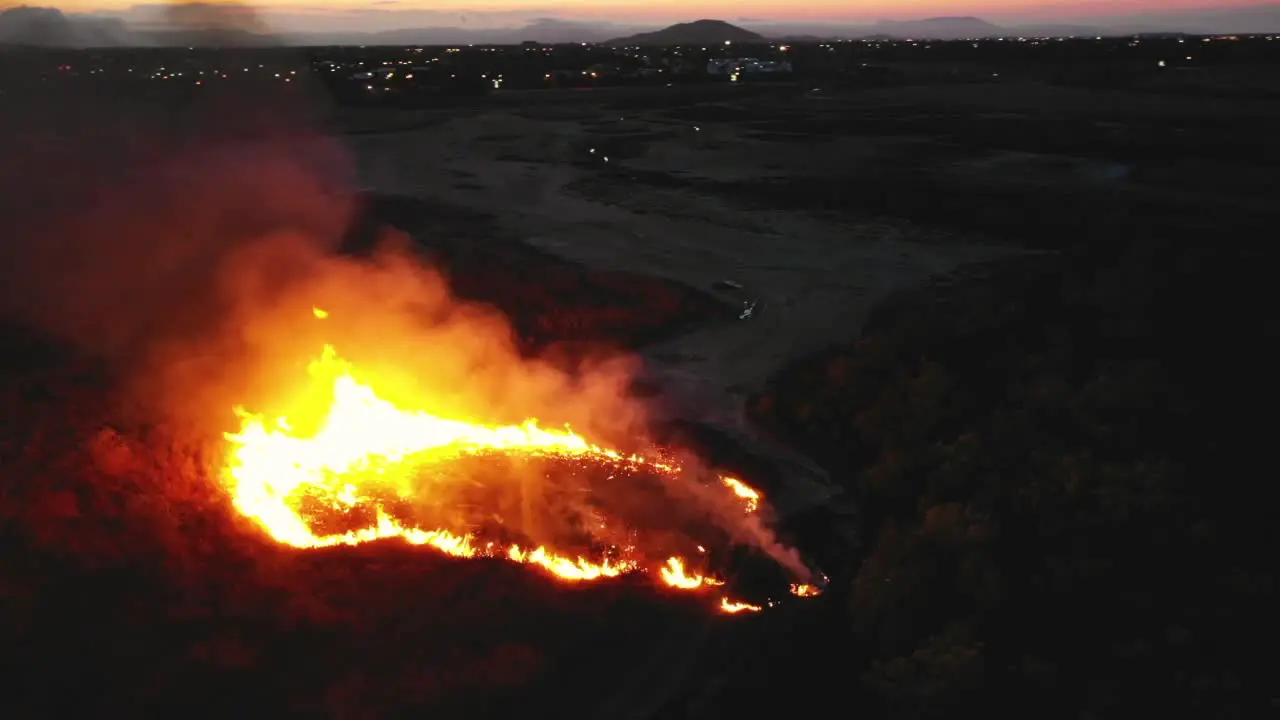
(729, 606)
(359, 451)
(800, 590)
(674, 574)
(750, 495)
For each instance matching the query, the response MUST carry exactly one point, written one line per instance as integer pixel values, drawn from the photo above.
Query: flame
(363, 447)
(801, 590)
(750, 495)
(674, 574)
(731, 607)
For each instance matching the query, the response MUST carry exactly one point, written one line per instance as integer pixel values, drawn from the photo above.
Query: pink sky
(515, 12)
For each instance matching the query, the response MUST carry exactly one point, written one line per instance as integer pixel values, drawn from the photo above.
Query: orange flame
(800, 590)
(363, 444)
(749, 494)
(674, 574)
(731, 607)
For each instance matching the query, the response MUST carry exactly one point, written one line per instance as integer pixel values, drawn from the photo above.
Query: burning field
(346, 466)
(243, 469)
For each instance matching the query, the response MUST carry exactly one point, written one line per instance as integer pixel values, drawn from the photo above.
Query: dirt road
(545, 178)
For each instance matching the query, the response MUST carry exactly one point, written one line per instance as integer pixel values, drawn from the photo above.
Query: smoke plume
(186, 239)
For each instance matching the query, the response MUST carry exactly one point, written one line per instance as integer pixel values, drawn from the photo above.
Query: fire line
(361, 439)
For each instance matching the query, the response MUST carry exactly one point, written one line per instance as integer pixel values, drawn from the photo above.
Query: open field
(824, 206)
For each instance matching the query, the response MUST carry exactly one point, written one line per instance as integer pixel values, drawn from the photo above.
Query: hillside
(939, 28)
(692, 33)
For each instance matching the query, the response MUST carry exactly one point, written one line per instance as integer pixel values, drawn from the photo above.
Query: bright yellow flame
(321, 314)
(674, 574)
(750, 495)
(363, 443)
(800, 590)
(729, 606)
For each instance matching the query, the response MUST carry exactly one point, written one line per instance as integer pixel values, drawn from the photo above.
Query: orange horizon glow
(518, 11)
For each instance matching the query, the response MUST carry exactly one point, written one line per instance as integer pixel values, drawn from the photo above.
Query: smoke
(122, 205)
(726, 511)
(220, 24)
(49, 27)
(225, 19)
(184, 238)
(396, 320)
(185, 241)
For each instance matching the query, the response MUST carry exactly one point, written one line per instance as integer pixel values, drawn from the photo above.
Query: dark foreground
(1059, 484)
(1061, 491)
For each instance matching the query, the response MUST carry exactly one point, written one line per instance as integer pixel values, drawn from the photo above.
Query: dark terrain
(1059, 457)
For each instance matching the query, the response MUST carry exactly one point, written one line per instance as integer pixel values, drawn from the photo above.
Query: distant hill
(545, 30)
(205, 23)
(939, 28)
(205, 38)
(698, 32)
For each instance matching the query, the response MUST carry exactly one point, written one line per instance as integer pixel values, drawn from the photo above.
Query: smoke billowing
(186, 239)
(225, 18)
(121, 208)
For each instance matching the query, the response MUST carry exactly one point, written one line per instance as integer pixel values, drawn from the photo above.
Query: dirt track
(544, 178)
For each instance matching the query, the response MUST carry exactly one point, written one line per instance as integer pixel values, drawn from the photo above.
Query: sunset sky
(497, 13)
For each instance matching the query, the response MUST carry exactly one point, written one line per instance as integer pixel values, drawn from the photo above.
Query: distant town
(418, 75)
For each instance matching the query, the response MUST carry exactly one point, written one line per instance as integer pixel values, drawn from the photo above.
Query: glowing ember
(731, 607)
(750, 495)
(361, 451)
(805, 590)
(673, 574)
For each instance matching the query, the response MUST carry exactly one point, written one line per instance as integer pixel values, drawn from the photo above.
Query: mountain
(206, 24)
(930, 28)
(1243, 20)
(698, 32)
(543, 30)
(551, 30)
(1059, 30)
(205, 38)
(939, 28)
(1256, 19)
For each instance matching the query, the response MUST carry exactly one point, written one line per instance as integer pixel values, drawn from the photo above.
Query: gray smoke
(120, 207)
